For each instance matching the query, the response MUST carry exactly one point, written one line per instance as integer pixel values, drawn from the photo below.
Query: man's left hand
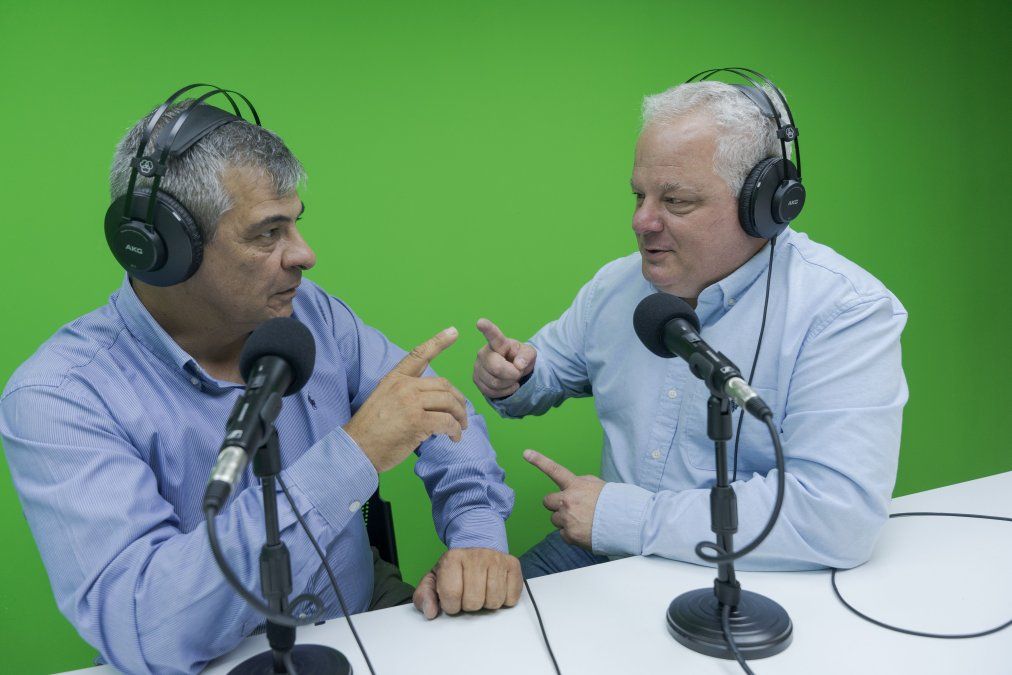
(572, 508)
(469, 579)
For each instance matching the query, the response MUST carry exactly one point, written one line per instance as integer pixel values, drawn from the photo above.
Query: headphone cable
(755, 359)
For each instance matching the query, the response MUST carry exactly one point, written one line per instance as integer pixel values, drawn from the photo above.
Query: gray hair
(746, 135)
(195, 177)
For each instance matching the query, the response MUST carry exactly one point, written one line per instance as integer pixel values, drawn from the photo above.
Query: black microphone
(276, 361)
(668, 327)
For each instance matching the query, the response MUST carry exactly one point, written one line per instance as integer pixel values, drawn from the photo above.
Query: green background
(470, 159)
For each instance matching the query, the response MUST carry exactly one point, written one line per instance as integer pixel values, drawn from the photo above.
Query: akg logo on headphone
(134, 249)
(146, 167)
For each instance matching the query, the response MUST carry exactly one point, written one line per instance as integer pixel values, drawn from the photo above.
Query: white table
(930, 574)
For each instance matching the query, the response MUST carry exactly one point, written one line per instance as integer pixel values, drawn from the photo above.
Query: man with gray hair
(829, 365)
(111, 429)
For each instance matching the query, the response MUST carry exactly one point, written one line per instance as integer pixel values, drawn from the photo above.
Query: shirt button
(730, 301)
(354, 506)
(195, 381)
(656, 454)
(672, 393)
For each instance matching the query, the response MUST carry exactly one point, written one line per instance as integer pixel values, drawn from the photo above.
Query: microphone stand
(760, 626)
(276, 581)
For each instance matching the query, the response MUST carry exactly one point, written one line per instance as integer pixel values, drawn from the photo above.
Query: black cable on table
(907, 631)
(542, 624)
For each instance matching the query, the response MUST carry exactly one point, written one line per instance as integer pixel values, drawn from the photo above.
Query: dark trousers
(553, 555)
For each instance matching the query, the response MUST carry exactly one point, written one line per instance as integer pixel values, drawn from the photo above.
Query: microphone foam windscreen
(286, 338)
(653, 314)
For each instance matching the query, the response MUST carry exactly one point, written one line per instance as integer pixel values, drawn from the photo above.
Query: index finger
(558, 473)
(496, 340)
(418, 359)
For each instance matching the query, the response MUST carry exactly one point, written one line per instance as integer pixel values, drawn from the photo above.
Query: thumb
(425, 598)
(499, 343)
(525, 357)
(418, 359)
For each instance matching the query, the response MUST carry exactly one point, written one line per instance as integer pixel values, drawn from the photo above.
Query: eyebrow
(276, 218)
(668, 187)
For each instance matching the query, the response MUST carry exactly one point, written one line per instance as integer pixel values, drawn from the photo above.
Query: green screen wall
(472, 159)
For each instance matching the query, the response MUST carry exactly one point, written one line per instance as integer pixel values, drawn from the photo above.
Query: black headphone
(150, 233)
(772, 195)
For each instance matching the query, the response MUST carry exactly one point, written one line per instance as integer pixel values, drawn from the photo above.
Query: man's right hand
(501, 363)
(406, 408)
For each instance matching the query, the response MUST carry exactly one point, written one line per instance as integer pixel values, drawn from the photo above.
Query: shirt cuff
(335, 476)
(477, 528)
(618, 519)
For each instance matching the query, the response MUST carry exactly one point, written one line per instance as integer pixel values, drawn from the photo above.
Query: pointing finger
(496, 340)
(562, 476)
(415, 363)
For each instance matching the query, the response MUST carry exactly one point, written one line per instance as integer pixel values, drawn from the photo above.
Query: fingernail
(528, 454)
(521, 363)
(450, 332)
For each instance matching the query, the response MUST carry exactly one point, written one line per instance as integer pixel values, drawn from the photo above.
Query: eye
(672, 200)
(638, 195)
(271, 233)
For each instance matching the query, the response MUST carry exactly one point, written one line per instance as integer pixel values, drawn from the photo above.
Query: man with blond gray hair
(829, 364)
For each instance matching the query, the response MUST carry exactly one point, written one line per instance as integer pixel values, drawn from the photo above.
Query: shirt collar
(149, 332)
(717, 298)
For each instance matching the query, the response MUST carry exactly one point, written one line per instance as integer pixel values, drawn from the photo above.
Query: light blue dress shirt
(111, 430)
(829, 368)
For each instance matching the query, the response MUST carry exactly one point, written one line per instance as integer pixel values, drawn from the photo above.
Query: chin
(658, 276)
(277, 311)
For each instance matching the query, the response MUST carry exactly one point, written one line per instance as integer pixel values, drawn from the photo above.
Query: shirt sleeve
(841, 439)
(470, 500)
(560, 371)
(147, 595)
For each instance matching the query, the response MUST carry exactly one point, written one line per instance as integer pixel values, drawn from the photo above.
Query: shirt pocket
(755, 449)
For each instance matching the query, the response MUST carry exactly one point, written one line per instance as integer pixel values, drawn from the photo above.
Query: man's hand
(572, 508)
(406, 408)
(469, 579)
(502, 362)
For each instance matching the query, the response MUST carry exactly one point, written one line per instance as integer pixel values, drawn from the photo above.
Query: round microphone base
(760, 626)
(308, 660)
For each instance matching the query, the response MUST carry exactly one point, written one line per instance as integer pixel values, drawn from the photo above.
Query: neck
(196, 328)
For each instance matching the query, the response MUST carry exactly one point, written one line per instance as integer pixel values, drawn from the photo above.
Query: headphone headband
(785, 132)
(150, 166)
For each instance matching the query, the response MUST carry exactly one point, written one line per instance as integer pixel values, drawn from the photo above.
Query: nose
(647, 218)
(298, 253)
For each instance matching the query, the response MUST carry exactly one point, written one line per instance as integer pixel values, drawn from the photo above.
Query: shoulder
(830, 285)
(620, 279)
(72, 352)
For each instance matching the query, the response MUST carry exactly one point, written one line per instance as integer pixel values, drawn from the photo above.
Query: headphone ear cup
(749, 199)
(191, 231)
(174, 231)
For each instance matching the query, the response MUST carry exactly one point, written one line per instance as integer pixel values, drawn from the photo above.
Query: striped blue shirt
(829, 369)
(111, 430)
